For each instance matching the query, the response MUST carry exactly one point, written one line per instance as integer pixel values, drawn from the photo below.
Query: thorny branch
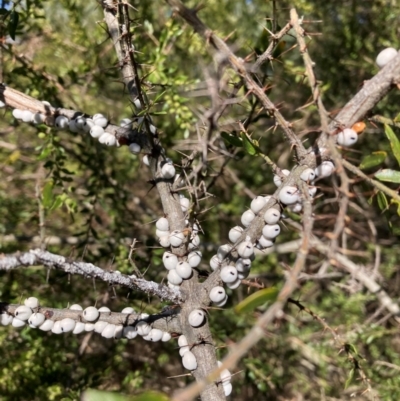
(39, 257)
(166, 321)
(190, 16)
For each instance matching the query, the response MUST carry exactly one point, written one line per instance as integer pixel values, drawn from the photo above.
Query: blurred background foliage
(96, 200)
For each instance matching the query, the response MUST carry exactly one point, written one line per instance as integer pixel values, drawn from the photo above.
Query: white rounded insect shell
(119, 329)
(165, 241)
(296, 208)
(247, 217)
(385, 56)
(162, 224)
(100, 326)
(125, 123)
(2, 105)
(183, 350)
(26, 116)
(243, 265)
(23, 312)
(155, 335)
(165, 337)
(75, 307)
(89, 326)
(174, 278)
(222, 303)
(176, 238)
(185, 203)
(17, 113)
(168, 171)
(108, 331)
(104, 309)
(215, 262)
(265, 242)
(312, 191)
(56, 328)
(271, 231)
(189, 361)
(235, 233)
(170, 260)
(227, 388)
(143, 328)
(90, 313)
(161, 233)
(129, 332)
(67, 324)
(79, 328)
(182, 341)
(257, 204)
(96, 131)
(47, 325)
(89, 124)
(108, 139)
(245, 249)
(5, 319)
(196, 317)
(277, 179)
(289, 195)
(80, 122)
(195, 241)
(100, 120)
(235, 284)
(194, 258)
(229, 274)
(72, 126)
(36, 319)
(184, 270)
(128, 310)
(272, 216)
(223, 250)
(38, 118)
(146, 160)
(325, 169)
(347, 137)
(17, 323)
(307, 175)
(217, 294)
(135, 148)
(31, 302)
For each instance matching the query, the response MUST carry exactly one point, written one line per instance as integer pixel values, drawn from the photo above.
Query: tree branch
(40, 257)
(166, 321)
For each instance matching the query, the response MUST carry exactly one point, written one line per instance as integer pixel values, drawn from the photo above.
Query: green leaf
(250, 145)
(232, 140)
(47, 195)
(13, 24)
(257, 299)
(372, 160)
(388, 175)
(95, 395)
(349, 379)
(382, 201)
(394, 142)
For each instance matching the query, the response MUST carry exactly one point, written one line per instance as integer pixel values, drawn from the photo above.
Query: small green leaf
(388, 175)
(373, 160)
(95, 395)
(47, 195)
(257, 299)
(349, 379)
(382, 201)
(13, 24)
(57, 202)
(232, 140)
(394, 142)
(250, 145)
